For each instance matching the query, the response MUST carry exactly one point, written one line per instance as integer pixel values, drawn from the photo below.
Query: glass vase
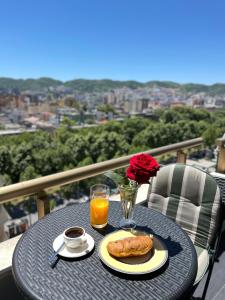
(128, 196)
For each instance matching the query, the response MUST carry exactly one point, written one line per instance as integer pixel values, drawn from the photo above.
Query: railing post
(43, 206)
(181, 157)
(220, 166)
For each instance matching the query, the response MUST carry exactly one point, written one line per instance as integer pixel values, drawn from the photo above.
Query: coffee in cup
(74, 237)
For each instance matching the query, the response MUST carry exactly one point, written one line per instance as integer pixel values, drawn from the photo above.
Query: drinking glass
(128, 196)
(99, 205)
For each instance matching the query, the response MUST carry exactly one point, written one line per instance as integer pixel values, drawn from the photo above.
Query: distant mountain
(85, 85)
(28, 84)
(166, 84)
(217, 88)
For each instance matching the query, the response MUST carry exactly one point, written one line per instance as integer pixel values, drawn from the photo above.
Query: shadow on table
(78, 258)
(107, 230)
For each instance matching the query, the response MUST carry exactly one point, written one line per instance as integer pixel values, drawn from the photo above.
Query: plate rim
(77, 255)
(130, 272)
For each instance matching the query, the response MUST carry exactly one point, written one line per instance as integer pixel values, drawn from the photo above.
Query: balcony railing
(41, 186)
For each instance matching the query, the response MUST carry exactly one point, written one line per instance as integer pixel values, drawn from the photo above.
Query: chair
(191, 197)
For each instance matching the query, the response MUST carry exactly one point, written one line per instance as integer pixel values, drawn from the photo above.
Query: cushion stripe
(158, 191)
(158, 203)
(175, 190)
(188, 212)
(209, 194)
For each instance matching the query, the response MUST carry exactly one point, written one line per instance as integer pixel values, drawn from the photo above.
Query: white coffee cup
(74, 236)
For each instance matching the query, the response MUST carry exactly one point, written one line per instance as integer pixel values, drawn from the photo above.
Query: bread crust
(131, 246)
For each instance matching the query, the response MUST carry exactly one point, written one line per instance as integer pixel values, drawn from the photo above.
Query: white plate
(73, 253)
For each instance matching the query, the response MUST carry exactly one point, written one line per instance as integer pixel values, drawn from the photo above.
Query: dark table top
(88, 277)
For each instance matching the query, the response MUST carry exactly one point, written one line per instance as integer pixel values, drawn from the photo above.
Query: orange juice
(99, 212)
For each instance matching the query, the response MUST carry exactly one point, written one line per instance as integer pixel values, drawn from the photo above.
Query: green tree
(5, 160)
(67, 123)
(78, 148)
(211, 134)
(28, 173)
(107, 146)
(170, 116)
(106, 108)
(132, 127)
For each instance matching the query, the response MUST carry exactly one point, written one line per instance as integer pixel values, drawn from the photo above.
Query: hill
(84, 85)
(103, 85)
(28, 84)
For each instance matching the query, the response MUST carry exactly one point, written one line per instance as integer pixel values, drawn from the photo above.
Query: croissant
(131, 246)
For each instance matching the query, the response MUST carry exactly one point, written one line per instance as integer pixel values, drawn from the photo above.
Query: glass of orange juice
(99, 205)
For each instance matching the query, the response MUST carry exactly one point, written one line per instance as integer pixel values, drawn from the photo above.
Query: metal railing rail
(40, 185)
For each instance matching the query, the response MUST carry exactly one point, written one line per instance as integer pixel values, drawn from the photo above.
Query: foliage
(106, 108)
(176, 114)
(210, 135)
(28, 173)
(66, 122)
(31, 155)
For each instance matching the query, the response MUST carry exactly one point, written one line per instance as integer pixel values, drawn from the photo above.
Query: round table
(88, 277)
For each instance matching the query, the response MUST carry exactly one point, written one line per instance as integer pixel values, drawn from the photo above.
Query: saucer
(76, 252)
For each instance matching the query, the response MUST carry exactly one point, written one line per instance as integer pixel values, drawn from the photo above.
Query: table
(88, 278)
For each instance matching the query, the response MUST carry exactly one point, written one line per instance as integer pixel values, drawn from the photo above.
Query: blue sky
(178, 40)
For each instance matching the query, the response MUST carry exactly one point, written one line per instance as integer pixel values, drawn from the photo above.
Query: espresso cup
(74, 236)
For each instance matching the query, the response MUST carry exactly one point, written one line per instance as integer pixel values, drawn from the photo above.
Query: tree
(210, 135)
(66, 122)
(86, 162)
(108, 145)
(79, 149)
(28, 173)
(5, 160)
(189, 113)
(170, 116)
(106, 108)
(132, 127)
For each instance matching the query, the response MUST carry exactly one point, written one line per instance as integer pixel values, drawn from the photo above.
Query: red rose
(142, 167)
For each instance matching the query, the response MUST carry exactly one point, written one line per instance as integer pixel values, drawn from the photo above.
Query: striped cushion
(189, 196)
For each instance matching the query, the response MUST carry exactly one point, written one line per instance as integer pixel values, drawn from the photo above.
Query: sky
(175, 40)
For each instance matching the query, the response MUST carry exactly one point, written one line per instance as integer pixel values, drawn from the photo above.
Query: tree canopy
(31, 155)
